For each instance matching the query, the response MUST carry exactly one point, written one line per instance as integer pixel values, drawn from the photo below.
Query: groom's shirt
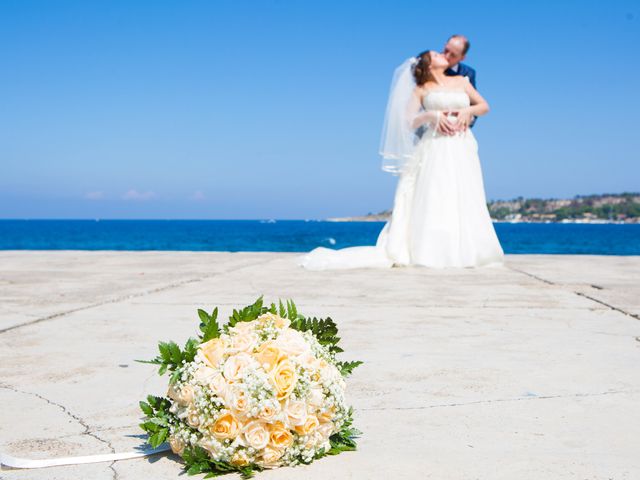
(464, 71)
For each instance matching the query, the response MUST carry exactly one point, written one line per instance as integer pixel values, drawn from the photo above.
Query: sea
(292, 236)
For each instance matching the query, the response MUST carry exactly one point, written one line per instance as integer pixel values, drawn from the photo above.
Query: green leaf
(209, 326)
(248, 313)
(149, 427)
(162, 435)
(246, 472)
(292, 311)
(146, 408)
(346, 368)
(176, 354)
(204, 316)
(165, 351)
(190, 349)
(154, 440)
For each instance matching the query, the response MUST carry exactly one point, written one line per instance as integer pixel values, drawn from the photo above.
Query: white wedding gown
(440, 217)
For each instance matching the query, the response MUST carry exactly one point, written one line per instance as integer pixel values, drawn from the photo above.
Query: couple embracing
(440, 217)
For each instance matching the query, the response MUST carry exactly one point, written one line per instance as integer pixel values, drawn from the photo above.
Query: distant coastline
(597, 209)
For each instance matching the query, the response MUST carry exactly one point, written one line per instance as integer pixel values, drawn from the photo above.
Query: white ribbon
(15, 462)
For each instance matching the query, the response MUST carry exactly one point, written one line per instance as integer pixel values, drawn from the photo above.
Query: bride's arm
(416, 114)
(479, 106)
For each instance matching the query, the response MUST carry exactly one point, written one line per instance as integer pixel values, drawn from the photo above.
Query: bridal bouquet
(262, 391)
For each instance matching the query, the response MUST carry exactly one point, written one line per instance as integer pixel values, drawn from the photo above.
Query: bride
(440, 217)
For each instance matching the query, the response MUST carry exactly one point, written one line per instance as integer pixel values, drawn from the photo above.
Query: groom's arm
(472, 81)
(472, 77)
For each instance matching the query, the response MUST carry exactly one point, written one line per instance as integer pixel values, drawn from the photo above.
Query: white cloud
(197, 195)
(134, 194)
(94, 195)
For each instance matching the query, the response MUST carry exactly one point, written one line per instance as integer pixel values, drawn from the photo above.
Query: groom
(455, 50)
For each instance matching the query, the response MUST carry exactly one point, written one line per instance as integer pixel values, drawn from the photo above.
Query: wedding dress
(440, 217)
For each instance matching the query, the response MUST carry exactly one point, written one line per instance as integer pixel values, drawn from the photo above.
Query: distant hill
(620, 208)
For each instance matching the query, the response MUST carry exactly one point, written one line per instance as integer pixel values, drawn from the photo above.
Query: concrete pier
(526, 371)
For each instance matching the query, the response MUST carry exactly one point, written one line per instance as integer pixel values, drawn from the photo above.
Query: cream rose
(235, 365)
(268, 412)
(280, 437)
(268, 355)
(212, 352)
(193, 418)
(278, 321)
(284, 378)
(327, 415)
(239, 459)
(182, 395)
(177, 445)
(226, 426)
(296, 412)
(270, 457)
(173, 392)
(310, 424)
(256, 434)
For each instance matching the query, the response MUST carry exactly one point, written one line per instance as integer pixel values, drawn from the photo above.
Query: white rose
(204, 374)
(235, 365)
(296, 412)
(219, 385)
(243, 327)
(326, 430)
(256, 434)
(307, 360)
(239, 400)
(292, 342)
(329, 371)
(316, 397)
(243, 342)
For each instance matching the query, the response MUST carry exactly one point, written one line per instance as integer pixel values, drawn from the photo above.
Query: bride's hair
(422, 70)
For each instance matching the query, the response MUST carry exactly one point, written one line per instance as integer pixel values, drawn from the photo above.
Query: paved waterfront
(528, 371)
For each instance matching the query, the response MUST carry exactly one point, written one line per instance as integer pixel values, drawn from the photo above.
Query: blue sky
(273, 109)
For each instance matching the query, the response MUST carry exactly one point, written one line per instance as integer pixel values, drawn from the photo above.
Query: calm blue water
(289, 236)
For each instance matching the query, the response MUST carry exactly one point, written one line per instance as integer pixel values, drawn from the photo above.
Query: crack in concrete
(87, 431)
(612, 307)
(581, 294)
(131, 296)
(499, 400)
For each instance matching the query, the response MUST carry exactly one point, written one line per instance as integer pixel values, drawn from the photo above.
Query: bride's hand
(445, 125)
(464, 119)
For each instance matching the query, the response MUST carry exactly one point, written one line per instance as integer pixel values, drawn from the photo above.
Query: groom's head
(456, 49)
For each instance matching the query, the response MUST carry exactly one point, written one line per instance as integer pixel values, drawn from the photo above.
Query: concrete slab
(497, 373)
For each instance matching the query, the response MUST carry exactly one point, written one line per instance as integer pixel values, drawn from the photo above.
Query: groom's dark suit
(464, 71)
